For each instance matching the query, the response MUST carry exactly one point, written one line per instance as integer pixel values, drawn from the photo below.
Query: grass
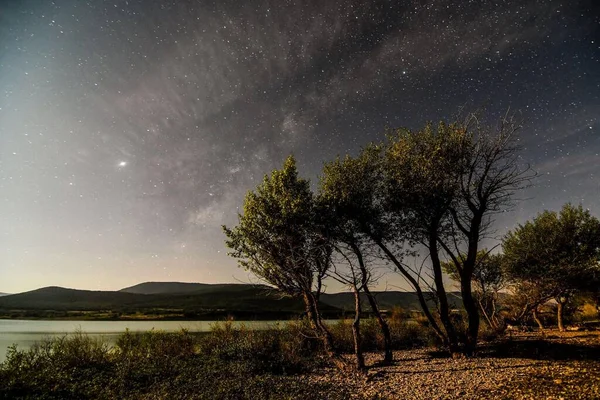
(229, 362)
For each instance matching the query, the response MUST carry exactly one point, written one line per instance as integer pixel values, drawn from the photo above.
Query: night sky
(130, 130)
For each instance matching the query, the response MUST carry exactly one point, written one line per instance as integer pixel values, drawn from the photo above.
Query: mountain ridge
(153, 287)
(189, 299)
(215, 302)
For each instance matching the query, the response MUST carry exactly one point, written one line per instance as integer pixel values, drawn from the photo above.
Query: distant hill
(241, 301)
(185, 287)
(55, 298)
(4, 294)
(191, 300)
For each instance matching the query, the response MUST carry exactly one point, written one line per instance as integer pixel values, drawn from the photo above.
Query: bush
(155, 344)
(279, 350)
(67, 367)
(226, 363)
(405, 334)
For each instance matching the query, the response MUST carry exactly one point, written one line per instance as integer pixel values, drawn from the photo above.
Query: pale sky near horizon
(130, 130)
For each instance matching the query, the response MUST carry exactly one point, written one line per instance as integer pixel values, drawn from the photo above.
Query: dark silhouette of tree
(491, 173)
(422, 171)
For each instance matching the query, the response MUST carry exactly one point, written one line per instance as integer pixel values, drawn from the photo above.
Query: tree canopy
(553, 256)
(558, 249)
(276, 237)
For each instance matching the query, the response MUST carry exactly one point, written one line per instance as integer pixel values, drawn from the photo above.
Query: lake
(25, 333)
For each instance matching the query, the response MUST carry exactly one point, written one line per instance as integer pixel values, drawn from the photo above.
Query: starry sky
(130, 130)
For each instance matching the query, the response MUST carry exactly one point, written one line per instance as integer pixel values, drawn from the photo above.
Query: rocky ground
(524, 366)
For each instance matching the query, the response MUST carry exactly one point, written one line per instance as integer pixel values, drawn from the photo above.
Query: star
(148, 127)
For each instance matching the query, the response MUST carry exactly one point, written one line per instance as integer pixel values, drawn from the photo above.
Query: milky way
(130, 130)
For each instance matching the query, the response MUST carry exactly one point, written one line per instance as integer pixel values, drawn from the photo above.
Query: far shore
(103, 316)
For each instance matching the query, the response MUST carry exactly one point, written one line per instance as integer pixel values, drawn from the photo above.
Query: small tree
(278, 239)
(526, 297)
(345, 271)
(558, 252)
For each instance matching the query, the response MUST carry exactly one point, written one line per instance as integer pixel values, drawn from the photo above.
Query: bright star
(123, 164)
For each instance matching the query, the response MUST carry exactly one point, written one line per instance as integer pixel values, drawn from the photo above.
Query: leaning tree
(277, 238)
(348, 197)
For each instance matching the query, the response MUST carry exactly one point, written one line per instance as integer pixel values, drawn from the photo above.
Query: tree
(526, 297)
(353, 277)
(488, 280)
(278, 239)
(422, 171)
(556, 252)
(349, 197)
(455, 179)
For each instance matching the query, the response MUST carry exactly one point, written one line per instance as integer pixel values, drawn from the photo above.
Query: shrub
(227, 363)
(279, 350)
(404, 333)
(157, 344)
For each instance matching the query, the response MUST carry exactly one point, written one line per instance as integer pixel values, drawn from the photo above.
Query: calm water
(24, 333)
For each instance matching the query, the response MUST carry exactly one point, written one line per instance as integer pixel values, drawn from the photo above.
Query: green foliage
(80, 362)
(138, 345)
(424, 169)
(276, 238)
(350, 195)
(227, 363)
(488, 274)
(279, 350)
(554, 256)
(558, 251)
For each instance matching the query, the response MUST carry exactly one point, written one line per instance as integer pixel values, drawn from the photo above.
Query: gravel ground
(558, 366)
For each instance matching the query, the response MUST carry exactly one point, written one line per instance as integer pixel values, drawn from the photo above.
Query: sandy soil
(523, 366)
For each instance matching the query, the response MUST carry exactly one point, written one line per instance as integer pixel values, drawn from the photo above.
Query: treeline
(430, 194)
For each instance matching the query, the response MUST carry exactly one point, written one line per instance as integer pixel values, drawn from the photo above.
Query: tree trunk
(310, 314)
(537, 319)
(434, 325)
(359, 359)
(440, 292)
(312, 310)
(466, 277)
(472, 314)
(484, 312)
(559, 315)
(385, 330)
